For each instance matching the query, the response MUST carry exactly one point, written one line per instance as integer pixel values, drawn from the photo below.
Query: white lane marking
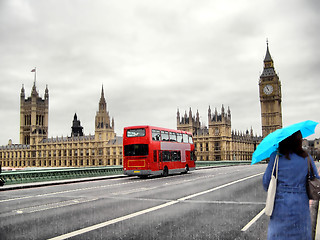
(104, 186)
(55, 205)
(132, 215)
(135, 190)
(217, 188)
(45, 207)
(119, 219)
(246, 227)
(81, 189)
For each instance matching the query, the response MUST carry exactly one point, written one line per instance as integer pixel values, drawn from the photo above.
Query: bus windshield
(136, 150)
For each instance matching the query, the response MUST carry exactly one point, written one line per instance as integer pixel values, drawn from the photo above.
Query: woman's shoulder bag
(313, 183)
(272, 188)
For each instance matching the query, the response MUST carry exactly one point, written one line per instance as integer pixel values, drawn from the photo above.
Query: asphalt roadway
(213, 203)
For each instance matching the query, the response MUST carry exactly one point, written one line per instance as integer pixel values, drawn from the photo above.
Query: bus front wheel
(165, 172)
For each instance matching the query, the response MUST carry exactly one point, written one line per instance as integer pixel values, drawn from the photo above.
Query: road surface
(214, 203)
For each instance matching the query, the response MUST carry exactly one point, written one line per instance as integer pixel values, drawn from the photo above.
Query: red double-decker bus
(157, 151)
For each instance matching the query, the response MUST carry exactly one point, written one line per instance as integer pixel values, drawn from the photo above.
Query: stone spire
(46, 93)
(268, 57)
(268, 70)
(22, 94)
(102, 102)
(34, 90)
(76, 129)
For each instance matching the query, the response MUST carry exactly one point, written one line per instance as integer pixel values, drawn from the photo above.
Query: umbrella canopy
(271, 142)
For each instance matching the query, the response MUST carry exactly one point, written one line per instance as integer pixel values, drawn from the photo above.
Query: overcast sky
(153, 57)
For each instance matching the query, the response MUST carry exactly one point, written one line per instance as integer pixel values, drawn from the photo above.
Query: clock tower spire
(270, 97)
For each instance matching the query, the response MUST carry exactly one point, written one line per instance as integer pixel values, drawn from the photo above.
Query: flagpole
(35, 75)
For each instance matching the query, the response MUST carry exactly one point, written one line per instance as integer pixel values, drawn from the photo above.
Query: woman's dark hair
(292, 144)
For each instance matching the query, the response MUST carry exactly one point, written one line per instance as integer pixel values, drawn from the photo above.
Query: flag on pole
(35, 75)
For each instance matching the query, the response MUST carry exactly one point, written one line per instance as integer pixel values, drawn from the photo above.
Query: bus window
(173, 137)
(190, 139)
(155, 135)
(176, 156)
(139, 132)
(185, 138)
(179, 137)
(136, 150)
(166, 156)
(164, 136)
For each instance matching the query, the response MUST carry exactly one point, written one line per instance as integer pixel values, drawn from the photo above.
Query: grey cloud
(153, 58)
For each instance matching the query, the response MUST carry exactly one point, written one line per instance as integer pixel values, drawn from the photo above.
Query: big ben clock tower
(270, 97)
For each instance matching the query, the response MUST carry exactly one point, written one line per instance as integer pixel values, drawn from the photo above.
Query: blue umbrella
(271, 142)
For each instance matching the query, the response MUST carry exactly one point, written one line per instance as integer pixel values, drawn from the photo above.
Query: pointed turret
(215, 114)
(268, 57)
(34, 90)
(76, 129)
(178, 117)
(22, 94)
(104, 130)
(197, 116)
(46, 93)
(102, 102)
(268, 70)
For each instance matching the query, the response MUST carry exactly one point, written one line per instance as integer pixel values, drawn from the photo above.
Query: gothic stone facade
(37, 150)
(217, 141)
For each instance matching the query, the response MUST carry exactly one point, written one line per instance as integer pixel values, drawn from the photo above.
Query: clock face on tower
(268, 89)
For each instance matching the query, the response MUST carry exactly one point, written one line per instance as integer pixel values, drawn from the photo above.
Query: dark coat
(291, 215)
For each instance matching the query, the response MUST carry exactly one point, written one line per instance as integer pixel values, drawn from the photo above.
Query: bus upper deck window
(179, 137)
(185, 138)
(164, 136)
(138, 132)
(173, 137)
(155, 135)
(190, 139)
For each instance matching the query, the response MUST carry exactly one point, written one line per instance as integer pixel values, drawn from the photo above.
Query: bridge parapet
(42, 175)
(27, 176)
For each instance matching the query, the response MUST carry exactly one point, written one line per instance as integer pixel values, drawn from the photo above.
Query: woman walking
(291, 216)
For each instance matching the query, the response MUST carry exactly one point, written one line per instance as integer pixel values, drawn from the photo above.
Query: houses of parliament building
(214, 142)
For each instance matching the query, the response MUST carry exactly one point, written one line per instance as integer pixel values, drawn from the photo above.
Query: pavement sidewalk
(57, 182)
